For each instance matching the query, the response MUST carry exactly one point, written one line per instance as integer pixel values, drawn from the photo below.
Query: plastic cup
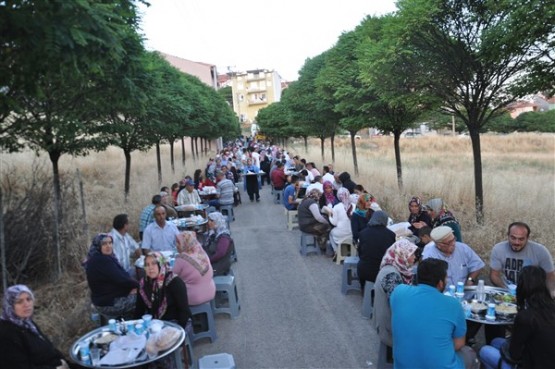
(512, 289)
(112, 325)
(95, 356)
(460, 287)
(147, 318)
(84, 351)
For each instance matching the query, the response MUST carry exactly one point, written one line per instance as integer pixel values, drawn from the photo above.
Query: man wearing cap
(509, 257)
(188, 196)
(464, 264)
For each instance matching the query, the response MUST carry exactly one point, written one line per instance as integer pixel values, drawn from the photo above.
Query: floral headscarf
(193, 252)
(96, 246)
(8, 308)
(361, 204)
(314, 194)
(398, 255)
(153, 291)
(344, 196)
(330, 197)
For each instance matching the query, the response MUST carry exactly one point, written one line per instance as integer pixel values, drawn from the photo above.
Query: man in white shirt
(160, 235)
(123, 244)
(188, 195)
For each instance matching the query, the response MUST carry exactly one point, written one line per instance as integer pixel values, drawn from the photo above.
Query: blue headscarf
(8, 309)
(96, 246)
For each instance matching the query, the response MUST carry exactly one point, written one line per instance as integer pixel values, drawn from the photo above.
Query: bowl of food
(506, 309)
(500, 297)
(478, 307)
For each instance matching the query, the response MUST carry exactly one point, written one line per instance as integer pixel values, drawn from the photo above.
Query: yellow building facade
(253, 90)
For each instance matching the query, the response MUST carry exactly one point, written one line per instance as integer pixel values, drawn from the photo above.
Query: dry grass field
(518, 174)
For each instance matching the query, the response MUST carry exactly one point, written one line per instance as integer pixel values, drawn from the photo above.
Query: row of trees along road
(75, 78)
(464, 58)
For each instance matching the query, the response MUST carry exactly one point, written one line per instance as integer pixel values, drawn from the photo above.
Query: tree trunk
(477, 153)
(354, 151)
(202, 145)
(305, 144)
(183, 151)
(3, 246)
(209, 145)
(396, 139)
(54, 158)
(127, 180)
(193, 147)
(83, 207)
(159, 163)
(196, 146)
(332, 138)
(322, 140)
(172, 162)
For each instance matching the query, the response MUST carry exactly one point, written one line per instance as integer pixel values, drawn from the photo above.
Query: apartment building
(252, 91)
(207, 73)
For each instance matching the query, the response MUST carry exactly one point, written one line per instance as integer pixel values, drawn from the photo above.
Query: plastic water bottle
(481, 291)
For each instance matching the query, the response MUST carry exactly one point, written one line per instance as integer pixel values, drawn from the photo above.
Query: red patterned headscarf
(398, 255)
(153, 290)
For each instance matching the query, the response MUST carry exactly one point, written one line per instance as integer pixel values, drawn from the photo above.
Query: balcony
(253, 90)
(258, 101)
(256, 77)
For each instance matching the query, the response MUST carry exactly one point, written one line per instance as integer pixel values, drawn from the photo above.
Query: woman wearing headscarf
(395, 269)
(22, 344)
(418, 217)
(340, 218)
(373, 242)
(163, 295)
(218, 244)
(310, 219)
(113, 290)
(362, 214)
(329, 198)
(533, 333)
(193, 266)
(441, 216)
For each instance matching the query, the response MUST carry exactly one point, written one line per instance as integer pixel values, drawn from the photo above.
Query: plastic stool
(278, 195)
(292, 219)
(342, 252)
(225, 285)
(368, 300)
(383, 361)
(228, 211)
(217, 361)
(188, 354)
(210, 332)
(308, 246)
(349, 279)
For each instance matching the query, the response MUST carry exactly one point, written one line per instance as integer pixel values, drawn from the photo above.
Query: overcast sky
(251, 34)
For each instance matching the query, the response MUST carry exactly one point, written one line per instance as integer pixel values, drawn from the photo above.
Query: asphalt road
(293, 314)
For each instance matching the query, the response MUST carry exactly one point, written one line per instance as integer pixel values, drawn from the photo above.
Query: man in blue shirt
(289, 193)
(429, 327)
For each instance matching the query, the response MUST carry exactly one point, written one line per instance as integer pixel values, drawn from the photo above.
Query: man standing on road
(509, 257)
(160, 235)
(435, 336)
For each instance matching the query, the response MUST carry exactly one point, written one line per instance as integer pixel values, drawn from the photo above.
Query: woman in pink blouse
(193, 266)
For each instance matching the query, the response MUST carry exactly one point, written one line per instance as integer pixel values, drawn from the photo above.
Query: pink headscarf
(398, 255)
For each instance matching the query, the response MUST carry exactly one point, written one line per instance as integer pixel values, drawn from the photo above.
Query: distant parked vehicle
(413, 134)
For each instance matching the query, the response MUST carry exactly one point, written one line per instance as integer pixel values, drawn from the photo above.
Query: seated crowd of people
(410, 264)
(423, 257)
